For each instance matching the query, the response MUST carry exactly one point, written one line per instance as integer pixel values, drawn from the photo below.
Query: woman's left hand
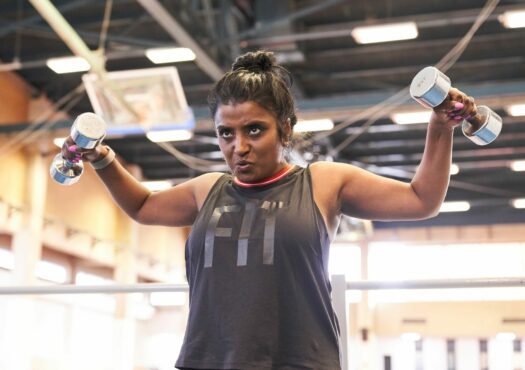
(456, 107)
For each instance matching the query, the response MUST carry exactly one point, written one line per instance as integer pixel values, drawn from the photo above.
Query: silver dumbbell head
(88, 130)
(490, 129)
(64, 172)
(430, 87)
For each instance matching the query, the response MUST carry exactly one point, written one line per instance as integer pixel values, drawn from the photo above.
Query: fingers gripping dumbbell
(87, 132)
(430, 87)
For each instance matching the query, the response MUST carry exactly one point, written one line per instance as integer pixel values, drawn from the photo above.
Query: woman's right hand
(73, 153)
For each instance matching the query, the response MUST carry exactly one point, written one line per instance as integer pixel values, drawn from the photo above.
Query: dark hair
(256, 76)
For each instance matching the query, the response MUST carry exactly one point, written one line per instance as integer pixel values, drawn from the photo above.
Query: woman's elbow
(427, 211)
(141, 213)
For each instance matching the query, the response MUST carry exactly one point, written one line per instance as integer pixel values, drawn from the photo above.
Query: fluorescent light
(170, 55)
(408, 118)
(518, 203)
(411, 337)
(513, 19)
(7, 260)
(460, 206)
(454, 169)
(385, 32)
(516, 110)
(159, 136)
(167, 298)
(157, 185)
(517, 166)
(506, 336)
(59, 141)
(68, 64)
(50, 271)
(324, 124)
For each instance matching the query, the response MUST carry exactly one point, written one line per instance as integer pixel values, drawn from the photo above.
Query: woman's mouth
(244, 166)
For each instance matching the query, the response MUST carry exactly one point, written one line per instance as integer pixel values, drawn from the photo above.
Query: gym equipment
(430, 88)
(87, 132)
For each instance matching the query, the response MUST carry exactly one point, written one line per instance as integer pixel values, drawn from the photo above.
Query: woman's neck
(267, 181)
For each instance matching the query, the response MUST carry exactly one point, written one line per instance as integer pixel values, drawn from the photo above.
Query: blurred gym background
(146, 66)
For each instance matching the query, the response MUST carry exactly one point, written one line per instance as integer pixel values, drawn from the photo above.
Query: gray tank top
(256, 263)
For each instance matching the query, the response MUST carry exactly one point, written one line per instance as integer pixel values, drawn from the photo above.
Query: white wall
(435, 354)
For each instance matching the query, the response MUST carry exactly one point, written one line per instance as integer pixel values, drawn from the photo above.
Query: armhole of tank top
(319, 219)
(220, 181)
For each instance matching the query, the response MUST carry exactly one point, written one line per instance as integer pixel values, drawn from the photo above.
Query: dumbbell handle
(475, 122)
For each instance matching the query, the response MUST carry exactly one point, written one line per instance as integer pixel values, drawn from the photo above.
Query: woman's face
(249, 140)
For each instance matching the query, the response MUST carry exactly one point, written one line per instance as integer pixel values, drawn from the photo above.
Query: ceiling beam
(268, 26)
(179, 34)
(14, 26)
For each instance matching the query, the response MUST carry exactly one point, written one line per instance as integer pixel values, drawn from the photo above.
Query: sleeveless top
(260, 295)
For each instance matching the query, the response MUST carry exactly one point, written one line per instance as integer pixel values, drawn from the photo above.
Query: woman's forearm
(431, 180)
(127, 191)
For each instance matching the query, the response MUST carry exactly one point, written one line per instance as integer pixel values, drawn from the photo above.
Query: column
(27, 249)
(364, 315)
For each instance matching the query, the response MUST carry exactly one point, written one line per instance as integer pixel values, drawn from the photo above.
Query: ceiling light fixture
(324, 124)
(517, 166)
(385, 32)
(157, 185)
(59, 141)
(516, 110)
(460, 206)
(408, 118)
(518, 203)
(170, 55)
(68, 65)
(513, 19)
(160, 136)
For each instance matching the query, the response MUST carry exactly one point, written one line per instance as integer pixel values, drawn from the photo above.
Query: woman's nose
(242, 145)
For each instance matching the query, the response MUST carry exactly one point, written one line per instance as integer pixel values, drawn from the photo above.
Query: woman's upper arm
(362, 194)
(179, 205)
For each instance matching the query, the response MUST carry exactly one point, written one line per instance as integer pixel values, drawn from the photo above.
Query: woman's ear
(287, 132)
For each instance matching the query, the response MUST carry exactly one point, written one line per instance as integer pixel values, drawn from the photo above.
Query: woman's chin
(245, 173)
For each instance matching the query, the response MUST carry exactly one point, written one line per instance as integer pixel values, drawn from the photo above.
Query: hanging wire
(371, 114)
(387, 106)
(18, 34)
(42, 123)
(105, 26)
(192, 162)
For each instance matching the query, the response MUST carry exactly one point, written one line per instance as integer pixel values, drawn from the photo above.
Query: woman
(257, 255)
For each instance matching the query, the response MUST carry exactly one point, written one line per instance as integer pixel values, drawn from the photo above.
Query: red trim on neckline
(279, 175)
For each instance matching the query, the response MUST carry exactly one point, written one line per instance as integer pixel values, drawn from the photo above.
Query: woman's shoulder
(203, 185)
(331, 177)
(330, 169)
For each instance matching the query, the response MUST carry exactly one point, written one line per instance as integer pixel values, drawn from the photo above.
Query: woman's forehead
(242, 112)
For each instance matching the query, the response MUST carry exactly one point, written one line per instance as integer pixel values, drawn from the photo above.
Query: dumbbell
(87, 132)
(430, 88)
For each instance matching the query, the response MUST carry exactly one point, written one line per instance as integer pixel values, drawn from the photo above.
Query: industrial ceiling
(334, 77)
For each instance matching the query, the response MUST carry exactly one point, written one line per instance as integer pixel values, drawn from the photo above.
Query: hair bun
(257, 61)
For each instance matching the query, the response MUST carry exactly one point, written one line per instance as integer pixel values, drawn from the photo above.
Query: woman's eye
(254, 130)
(225, 134)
